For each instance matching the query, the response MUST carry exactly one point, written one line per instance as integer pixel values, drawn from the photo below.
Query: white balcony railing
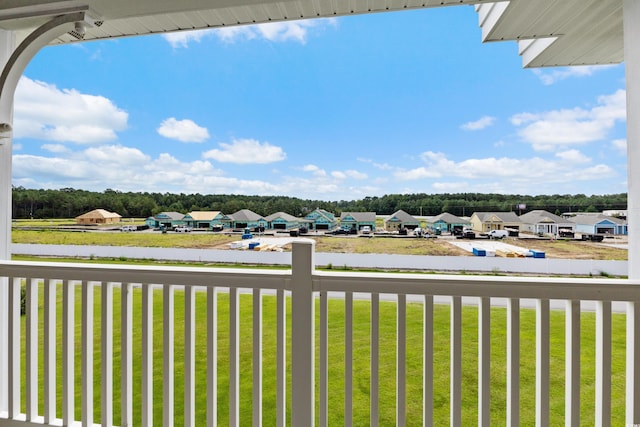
(70, 350)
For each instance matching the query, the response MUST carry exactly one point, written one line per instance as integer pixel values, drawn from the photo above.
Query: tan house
(486, 221)
(203, 219)
(399, 220)
(98, 216)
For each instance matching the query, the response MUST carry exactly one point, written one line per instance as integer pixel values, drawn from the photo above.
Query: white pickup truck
(498, 234)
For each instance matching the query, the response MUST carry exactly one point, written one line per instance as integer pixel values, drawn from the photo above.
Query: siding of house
(166, 219)
(357, 220)
(282, 221)
(486, 221)
(322, 220)
(399, 220)
(203, 219)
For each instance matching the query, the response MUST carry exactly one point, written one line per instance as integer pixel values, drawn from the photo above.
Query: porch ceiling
(549, 32)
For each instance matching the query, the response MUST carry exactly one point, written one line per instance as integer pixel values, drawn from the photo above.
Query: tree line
(70, 202)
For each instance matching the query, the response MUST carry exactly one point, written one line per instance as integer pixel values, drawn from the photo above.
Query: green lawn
(361, 362)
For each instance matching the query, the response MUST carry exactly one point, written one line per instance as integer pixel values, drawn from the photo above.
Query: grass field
(361, 362)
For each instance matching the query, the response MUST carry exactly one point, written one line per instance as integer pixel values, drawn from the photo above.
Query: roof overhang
(548, 32)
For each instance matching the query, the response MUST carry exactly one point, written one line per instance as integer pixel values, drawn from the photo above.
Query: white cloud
(353, 174)
(42, 111)
(620, 145)
(573, 156)
(183, 130)
(129, 169)
(556, 75)
(55, 148)
(506, 169)
(314, 170)
(297, 31)
(479, 124)
(183, 38)
(246, 151)
(381, 166)
(548, 130)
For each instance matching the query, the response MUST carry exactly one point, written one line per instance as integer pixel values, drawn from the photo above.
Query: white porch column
(14, 58)
(632, 63)
(7, 46)
(631, 11)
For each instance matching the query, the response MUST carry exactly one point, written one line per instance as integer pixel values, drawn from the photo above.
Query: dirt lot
(565, 249)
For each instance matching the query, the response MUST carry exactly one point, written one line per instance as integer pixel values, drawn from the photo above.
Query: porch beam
(632, 64)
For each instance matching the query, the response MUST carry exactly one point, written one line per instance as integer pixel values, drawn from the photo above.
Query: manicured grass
(361, 361)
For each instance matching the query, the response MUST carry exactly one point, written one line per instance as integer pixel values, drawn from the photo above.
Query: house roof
(587, 219)
(203, 215)
(540, 216)
(99, 213)
(448, 218)
(548, 32)
(500, 216)
(285, 216)
(402, 216)
(245, 215)
(173, 216)
(323, 213)
(359, 216)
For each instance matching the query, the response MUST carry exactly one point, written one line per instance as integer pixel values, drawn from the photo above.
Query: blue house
(357, 220)
(599, 224)
(165, 219)
(320, 219)
(244, 218)
(282, 221)
(447, 223)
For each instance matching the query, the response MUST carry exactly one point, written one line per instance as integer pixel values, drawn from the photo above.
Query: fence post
(302, 335)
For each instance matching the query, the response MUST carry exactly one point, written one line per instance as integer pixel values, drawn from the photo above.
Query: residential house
(357, 220)
(165, 219)
(204, 219)
(282, 221)
(400, 220)
(244, 218)
(599, 224)
(483, 222)
(98, 216)
(540, 221)
(320, 219)
(447, 223)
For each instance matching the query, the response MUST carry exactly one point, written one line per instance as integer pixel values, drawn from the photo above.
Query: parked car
(340, 231)
(365, 230)
(566, 233)
(498, 234)
(182, 229)
(127, 228)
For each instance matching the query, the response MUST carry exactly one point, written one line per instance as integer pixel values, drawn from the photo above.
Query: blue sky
(332, 109)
